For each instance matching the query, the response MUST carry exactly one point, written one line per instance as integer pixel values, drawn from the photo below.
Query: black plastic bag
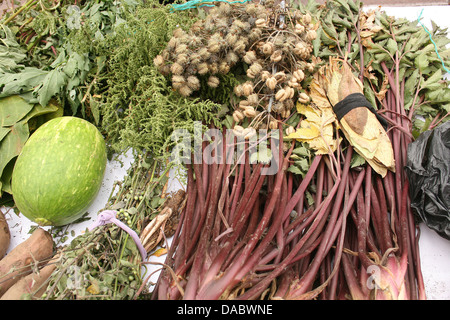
(428, 172)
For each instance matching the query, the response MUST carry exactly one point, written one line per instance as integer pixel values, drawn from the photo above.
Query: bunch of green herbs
(104, 263)
(137, 105)
(55, 57)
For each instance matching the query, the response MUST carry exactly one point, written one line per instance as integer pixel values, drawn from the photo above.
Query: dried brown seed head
(231, 58)
(277, 107)
(265, 75)
(276, 56)
(249, 132)
(213, 68)
(285, 113)
(197, 26)
(178, 33)
(306, 19)
(203, 68)
(303, 98)
(268, 48)
(239, 46)
(250, 57)
(178, 81)
(249, 112)
(213, 81)
(247, 88)
(273, 124)
(185, 91)
(238, 130)
(193, 82)
(290, 130)
(253, 99)
(280, 95)
(261, 23)
(158, 61)
(299, 75)
(255, 34)
(203, 53)
(271, 83)
(224, 67)
(299, 28)
(244, 104)
(311, 35)
(231, 39)
(181, 48)
(280, 76)
(237, 116)
(238, 90)
(176, 68)
(183, 59)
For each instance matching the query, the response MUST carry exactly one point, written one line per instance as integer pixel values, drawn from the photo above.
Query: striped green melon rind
(59, 171)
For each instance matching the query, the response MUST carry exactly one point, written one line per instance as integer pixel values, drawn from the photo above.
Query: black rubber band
(353, 101)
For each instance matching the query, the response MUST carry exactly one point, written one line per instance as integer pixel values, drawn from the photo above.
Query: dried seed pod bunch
(275, 43)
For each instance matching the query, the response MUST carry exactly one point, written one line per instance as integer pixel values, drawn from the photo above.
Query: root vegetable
(5, 235)
(20, 261)
(33, 284)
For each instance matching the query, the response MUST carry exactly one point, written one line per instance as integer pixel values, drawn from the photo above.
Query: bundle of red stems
(245, 235)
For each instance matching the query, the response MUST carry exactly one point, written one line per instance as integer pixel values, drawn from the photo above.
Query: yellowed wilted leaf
(316, 129)
(160, 252)
(360, 126)
(93, 288)
(318, 94)
(305, 133)
(373, 144)
(366, 34)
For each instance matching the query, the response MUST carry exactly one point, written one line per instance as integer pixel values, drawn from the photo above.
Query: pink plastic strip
(109, 216)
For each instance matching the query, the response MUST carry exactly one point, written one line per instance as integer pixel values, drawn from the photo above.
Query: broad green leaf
(59, 60)
(303, 164)
(432, 80)
(262, 156)
(10, 59)
(411, 82)
(391, 46)
(13, 109)
(39, 115)
(4, 132)
(328, 27)
(39, 110)
(421, 62)
(296, 170)
(441, 95)
(51, 86)
(94, 109)
(301, 151)
(9, 40)
(12, 144)
(357, 160)
(317, 42)
(18, 83)
(344, 5)
(71, 67)
(5, 179)
(446, 107)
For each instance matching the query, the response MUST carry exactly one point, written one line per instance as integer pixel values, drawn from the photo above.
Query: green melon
(59, 171)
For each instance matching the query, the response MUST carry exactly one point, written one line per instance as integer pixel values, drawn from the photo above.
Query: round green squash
(59, 171)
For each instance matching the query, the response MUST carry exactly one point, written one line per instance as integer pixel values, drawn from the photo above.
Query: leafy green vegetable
(138, 107)
(17, 119)
(383, 39)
